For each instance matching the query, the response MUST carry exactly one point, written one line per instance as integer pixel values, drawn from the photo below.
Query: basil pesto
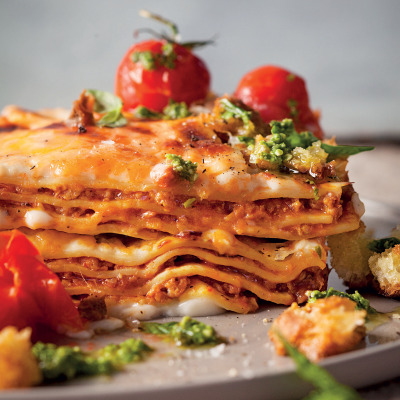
(66, 362)
(185, 169)
(187, 332)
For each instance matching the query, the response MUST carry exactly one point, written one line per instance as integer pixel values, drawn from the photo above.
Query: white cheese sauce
(191, 308)
(358, 205)
(35, 219)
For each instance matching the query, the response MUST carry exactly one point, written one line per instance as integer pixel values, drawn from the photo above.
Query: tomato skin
(188, 81)
(271, 90)
(31, 294)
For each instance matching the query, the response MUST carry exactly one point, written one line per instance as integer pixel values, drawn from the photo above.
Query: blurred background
(347, 50)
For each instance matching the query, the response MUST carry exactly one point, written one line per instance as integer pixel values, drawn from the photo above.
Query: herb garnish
(174, 36)
(230, 110)
(65, 362)
(326, 387)
(300, 151)
(292, 104)
(361, 302)
(187, 332)
(109, 105)
(152, 61)
(189, 202)
(185, 169)
(381, 245)
(247, 140)
(143, 112)
(344, 150)
(306, 139)
(173, 110)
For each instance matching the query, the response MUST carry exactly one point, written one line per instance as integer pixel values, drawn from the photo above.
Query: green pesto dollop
(361, 302)
(175, 110)
(381, 245)
(187, 332)
(185, 169)
(285, 147)
(65, 362)
(247, 140)
(276, 150)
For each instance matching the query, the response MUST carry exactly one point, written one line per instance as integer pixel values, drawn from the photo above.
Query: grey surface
(348, 50)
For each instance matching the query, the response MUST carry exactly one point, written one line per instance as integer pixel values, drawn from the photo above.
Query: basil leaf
(380, 245)
(143, 112)
(109, 105)
(344, 150)
(230, 110)
(326, 386)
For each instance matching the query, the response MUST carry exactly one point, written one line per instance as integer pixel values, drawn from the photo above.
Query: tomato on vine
(276, 94)
(154, 72)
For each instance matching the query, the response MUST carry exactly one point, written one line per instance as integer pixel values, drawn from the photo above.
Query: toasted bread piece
(385, 268)
(349, 257)
(324, 328)
(18, 366)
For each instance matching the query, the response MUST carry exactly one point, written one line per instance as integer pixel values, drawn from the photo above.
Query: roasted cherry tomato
(276, 94)
(156, 71)
(31, 294)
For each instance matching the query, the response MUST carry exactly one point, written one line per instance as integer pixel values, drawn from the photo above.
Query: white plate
(245, 369)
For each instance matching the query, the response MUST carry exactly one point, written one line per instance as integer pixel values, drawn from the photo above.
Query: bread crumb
(18, 366)
(326, 327)
(385, 268)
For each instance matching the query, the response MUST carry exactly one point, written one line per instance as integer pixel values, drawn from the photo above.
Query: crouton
(349, 257)
(18, 366)
(385, 268)
(324, 328)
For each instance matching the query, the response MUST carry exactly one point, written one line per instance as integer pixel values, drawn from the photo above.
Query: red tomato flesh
(188, 81)
(31, 294)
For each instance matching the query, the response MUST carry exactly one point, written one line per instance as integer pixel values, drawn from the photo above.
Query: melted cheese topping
(123, 158)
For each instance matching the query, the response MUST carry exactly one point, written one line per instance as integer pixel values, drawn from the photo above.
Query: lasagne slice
(232, 272)
(164, 213)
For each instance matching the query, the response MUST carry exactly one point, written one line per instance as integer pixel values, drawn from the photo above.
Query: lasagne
(114, 218)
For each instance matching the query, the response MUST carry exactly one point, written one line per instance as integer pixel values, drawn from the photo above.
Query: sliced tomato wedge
(30, 293)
